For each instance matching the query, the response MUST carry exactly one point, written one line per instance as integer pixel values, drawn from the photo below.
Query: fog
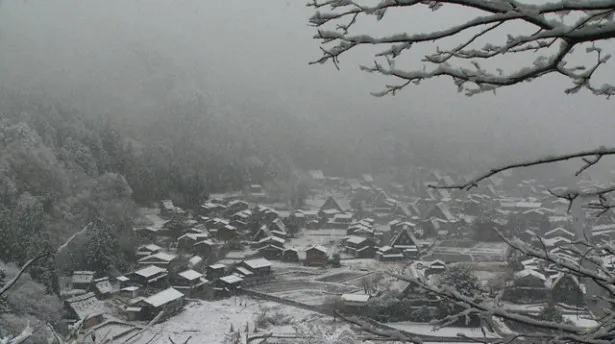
(126, 57)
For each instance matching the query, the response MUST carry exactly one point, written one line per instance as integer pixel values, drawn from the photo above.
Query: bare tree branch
(596, 153)
(595, 24)
(23, 269)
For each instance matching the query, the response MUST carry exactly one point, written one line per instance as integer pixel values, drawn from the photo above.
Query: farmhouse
(405, 242)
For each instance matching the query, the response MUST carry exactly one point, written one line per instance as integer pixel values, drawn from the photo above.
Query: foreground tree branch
(595, 23)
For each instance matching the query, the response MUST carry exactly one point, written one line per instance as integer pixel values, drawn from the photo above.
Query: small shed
(290, 255)
(131, 291)
(316, 256)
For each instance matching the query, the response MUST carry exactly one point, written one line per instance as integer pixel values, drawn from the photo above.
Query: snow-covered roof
(231, 279)
(530, 272)
(123, 279)
(149, 271)
(131, 288)
(257, 263)
(190, 275)
(163, 297)
(150, 248)
(162, 256)
(355, 297)
(86, 305)
(244, 271)
(318, 248)
(217, 266)
(353, 239)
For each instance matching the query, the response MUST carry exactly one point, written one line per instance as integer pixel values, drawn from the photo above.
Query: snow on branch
(589, 158)
(595, 24)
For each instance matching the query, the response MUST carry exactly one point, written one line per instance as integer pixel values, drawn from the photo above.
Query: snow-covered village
(307, 172)
(243, 266)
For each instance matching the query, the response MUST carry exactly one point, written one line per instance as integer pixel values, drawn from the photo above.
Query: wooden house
(191, 283)
(86, 307)
(290, 255)
(529, 278)
(236, 206)
(169, 301)
(148, 250)
(167, 208)
(360, 247)
(436, 267)
(560, 232)
(150, 276)
(441, 211)
(269, 241)
(329, 204)
(160, 259)
(567, 289)
(278, 228)
(316, 256)
(186, 242)
(405, 242)
(103, 288)
(82, 279)
(215, 271)
(227, 233)
(388, 253)
(340, 221)
(204, 248)
(211, 209)
(229, 285)
(130, 291)
(271, 252)
(355, 301)
(260, 266)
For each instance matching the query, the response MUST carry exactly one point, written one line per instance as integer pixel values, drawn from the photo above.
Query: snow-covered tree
(556, 28)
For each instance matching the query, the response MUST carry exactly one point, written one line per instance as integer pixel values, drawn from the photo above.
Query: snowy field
(208, 322)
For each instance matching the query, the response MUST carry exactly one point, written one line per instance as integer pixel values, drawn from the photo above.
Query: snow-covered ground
(208, 322)
(451, 332)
